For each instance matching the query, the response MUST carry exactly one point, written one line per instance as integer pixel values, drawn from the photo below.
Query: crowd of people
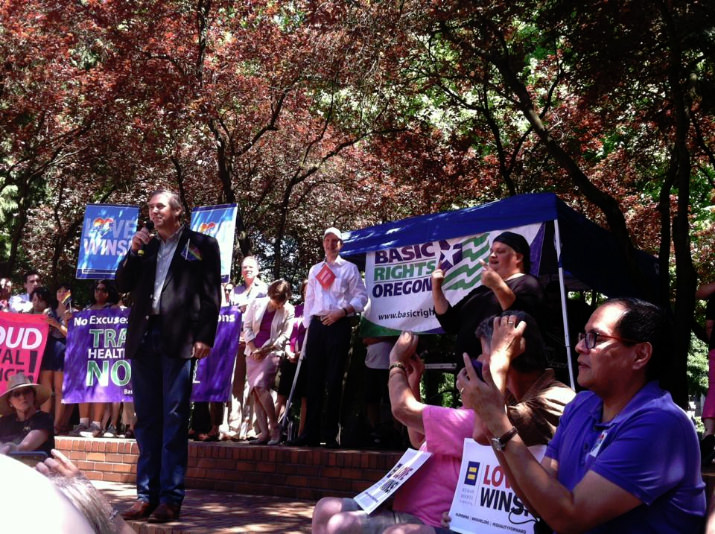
(620, 455)
(93, 419)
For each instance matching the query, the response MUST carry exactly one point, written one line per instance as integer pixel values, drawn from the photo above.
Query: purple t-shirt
(264, 334)
(298, 329)
(650, 449)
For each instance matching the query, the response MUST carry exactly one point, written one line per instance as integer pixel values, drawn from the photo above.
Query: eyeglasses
(591, 339)
(21, 392)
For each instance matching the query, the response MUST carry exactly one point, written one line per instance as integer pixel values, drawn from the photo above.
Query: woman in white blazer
(266, 328)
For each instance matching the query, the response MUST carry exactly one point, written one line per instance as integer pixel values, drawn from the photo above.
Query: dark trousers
(162, 391)
(326, 350)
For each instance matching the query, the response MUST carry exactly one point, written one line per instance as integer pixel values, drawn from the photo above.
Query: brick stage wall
(291, 472)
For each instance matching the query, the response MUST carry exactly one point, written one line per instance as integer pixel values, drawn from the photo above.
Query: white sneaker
(78, 430)
(111, 432)
(94, 431)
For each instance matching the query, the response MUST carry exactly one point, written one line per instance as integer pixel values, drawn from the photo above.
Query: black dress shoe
(332, 444)
(138, 510)
(165, 513)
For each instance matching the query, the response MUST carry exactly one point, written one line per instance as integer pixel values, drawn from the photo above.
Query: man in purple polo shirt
(624, 457)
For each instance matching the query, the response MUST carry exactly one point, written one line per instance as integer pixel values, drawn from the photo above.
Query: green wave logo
(468, 273)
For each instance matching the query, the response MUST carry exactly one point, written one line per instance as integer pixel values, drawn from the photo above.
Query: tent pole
(567, 338)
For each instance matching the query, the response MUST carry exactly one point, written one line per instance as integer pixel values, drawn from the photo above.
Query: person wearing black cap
(506, 285)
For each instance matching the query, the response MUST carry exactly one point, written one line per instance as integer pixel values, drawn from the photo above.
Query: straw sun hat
(18, 381)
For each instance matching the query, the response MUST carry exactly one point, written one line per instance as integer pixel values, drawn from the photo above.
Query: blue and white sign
(106, 237)
(219, 222)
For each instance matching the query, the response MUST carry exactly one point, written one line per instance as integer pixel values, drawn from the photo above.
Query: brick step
(282, 471)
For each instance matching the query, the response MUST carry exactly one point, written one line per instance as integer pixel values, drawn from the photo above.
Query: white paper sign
(370, 499)
(484, 501)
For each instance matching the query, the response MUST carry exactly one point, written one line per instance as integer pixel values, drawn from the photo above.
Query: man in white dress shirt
(23, 303)
(335, 292)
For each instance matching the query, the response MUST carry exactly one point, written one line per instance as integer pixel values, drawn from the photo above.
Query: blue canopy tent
(574, 250)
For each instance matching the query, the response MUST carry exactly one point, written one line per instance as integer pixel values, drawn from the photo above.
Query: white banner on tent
(399, 279)
(483, 501)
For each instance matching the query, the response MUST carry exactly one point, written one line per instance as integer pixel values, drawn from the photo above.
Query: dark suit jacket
(190, 299)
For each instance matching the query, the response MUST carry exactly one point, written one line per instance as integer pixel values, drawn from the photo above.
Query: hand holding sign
(438, 277)
(201, 350)
(484, 501)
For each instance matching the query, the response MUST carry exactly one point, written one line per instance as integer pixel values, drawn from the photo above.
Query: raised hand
(404, 348)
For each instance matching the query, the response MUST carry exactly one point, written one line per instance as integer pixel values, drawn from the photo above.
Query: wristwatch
(499, 444)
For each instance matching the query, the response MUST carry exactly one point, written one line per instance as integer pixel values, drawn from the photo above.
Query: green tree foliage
(311, 114)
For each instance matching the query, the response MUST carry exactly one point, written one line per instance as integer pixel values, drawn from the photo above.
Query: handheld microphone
(149, 226)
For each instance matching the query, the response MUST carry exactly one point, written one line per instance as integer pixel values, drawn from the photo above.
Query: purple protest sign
(95, 368)
(212, 380)
(96, 371)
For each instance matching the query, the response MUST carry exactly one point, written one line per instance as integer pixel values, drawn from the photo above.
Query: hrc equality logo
(470, 478)
(461, 262)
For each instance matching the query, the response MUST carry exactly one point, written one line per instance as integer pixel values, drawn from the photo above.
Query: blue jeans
(162, 391)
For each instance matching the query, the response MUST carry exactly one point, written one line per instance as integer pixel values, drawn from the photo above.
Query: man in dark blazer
(175, 281)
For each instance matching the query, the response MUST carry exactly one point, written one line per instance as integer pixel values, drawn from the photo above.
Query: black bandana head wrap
(520, 246)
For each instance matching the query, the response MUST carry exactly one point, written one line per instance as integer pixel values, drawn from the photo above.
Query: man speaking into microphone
(149, 227)
(175, 280)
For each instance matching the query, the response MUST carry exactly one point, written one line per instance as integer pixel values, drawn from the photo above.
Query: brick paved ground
(207, 511)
